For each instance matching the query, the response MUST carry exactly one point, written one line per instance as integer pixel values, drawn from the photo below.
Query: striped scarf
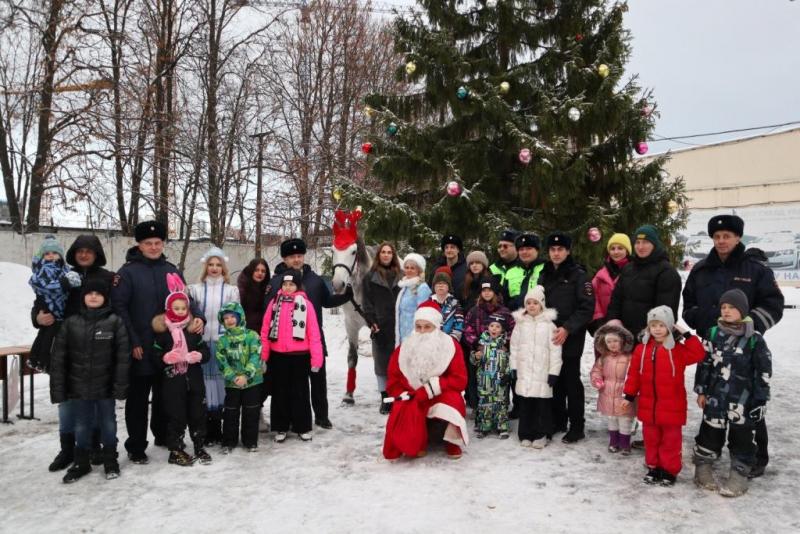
(298, 316)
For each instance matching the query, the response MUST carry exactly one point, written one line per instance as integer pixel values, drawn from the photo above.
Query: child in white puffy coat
(536, 361)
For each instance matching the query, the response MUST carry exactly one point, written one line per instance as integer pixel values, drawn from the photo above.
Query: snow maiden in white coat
(210, 294)
(536, 360)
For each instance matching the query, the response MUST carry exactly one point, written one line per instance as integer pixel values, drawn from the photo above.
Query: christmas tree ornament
(411, 68)
(603, 70)
(579, 37)
(462, 93)
(534, 127)
(646, 110)
(672, 207)
(525, 156)
(641, 147)
(369, 111)
(574, 114)
(453, 188)
(491, 4)
(366, 147)
(505, 87)
(337, 194)
(358, 209)
(594, 234)
(392, 128)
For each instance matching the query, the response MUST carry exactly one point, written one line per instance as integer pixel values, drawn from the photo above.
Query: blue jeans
(90, 414)
(66, 417)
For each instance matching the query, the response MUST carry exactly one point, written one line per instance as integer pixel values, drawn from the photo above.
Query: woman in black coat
(379, 295)
(649, 280)
(253, 284)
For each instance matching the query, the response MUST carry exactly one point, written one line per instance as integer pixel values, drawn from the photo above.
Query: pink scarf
(180, 357)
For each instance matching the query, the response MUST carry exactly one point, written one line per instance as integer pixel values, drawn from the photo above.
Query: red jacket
(660, 383)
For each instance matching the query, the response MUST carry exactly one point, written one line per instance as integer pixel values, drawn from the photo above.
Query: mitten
(172, 357)
(73, 279)
(194, 357)
(757, 414)
(551, 380)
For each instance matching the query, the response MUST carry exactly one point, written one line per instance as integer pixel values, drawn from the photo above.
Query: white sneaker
(540, 443)
(280, 437)
(526, 443)
(305, 436)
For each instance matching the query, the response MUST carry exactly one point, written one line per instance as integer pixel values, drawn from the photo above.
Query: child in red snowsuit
(655, 374)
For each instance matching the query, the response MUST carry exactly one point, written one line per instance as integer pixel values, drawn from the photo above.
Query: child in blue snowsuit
(491, 361)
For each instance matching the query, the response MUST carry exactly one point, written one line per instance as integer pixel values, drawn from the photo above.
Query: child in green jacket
(239, 358)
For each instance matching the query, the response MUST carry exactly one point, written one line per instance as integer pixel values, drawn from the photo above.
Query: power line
(721, 132)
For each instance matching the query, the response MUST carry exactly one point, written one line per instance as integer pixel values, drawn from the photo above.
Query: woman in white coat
(536, 361)
(210, 294)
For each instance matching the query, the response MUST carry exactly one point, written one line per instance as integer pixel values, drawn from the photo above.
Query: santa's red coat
(406, 428)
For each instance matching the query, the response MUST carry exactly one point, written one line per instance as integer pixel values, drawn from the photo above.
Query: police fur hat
(559, 239)
(450, 239)
(150, 229)
(293, 245)
(508, 235)
(732, 223)
(528, 240)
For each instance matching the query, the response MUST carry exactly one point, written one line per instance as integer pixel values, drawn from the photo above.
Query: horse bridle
(346, 268)
(356, 306)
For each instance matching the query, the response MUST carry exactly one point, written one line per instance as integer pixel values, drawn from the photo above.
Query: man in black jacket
(568, 289)
(452, 256)
(729, 266)
(293, 252)
(138, 294)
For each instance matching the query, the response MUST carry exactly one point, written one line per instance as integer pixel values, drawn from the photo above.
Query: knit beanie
(50, 244)
(649, 232)
(97, 285)
(477, 256)
(662, 314)
(214, 252)
(443, 275)
(737, 299)
(537, 294)
(490, 282)
(622, 240)
(429, 311)
(417, 259)
(500, 319)
(293, 275)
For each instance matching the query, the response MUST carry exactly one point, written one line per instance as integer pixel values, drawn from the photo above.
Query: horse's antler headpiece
(345, 228)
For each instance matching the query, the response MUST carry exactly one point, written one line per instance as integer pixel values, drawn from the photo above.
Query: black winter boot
(80, 468)
(66, 455)
(385, 407)
(180, 457)
(110, 463)
(96, 456)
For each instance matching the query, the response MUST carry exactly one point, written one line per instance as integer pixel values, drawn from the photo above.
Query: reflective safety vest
(515, 278)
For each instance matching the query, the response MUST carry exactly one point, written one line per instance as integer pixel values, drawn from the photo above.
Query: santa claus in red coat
(426, 377)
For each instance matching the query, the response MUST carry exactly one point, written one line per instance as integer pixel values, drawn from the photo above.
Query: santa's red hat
(429, 311)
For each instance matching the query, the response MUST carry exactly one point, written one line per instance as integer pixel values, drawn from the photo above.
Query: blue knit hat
(50, 244)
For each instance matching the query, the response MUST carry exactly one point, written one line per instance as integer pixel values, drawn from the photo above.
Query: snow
(340, 483)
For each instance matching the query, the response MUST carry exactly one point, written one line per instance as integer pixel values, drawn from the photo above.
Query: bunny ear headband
(177, 289)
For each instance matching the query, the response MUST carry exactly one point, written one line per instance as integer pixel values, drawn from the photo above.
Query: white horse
(351, 261)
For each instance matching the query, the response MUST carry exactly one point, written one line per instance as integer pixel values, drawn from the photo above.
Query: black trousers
(535, 417)
(471, 394)
(762, 443)
(185, 404)
(290, 397)
(741, 444)
(244, 404)
(319, 391)
(568, 395)
(136, 411)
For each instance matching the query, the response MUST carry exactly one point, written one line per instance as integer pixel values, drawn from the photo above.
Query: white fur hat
(415, 258)
(537, 294)
(214, 252)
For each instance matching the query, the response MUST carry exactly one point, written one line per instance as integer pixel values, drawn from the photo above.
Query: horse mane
(363, 257)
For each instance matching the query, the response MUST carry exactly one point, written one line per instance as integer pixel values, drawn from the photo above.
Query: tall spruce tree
(492, 84)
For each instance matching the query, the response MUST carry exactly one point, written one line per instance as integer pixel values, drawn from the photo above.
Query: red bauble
(579, 37)
(366, 148)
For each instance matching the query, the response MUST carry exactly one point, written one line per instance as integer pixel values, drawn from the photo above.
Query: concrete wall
(16, 248)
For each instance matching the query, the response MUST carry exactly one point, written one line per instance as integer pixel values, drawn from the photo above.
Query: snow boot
(624, 444)
(453, 451)
(574, 435)
(96, 455)
(80, 468)
(110, 463)
(180, 457)
(305, 436)
(66, 455)
(736, 485)
(540, 443)
(757, 471)
(704, 476)
(201, 455)
(139, 458)
(324, 422)
(280, 437)
(613, 441)
(348, 398)
(385, 407)
(667, 479)
(653, 476)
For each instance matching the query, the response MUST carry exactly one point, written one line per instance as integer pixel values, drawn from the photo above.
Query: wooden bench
(23, 352)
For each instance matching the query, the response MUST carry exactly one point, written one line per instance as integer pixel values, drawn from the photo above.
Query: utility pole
(259, 187)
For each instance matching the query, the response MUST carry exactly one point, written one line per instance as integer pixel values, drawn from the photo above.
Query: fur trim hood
(622, 332)
(548, 314)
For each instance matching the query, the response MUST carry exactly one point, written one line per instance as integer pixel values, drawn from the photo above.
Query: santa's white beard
(423, 356)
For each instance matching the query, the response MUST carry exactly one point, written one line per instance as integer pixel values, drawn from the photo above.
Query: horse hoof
(348, 398)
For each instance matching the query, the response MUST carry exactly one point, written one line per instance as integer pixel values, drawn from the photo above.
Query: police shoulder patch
(115, 281)
(588, 290)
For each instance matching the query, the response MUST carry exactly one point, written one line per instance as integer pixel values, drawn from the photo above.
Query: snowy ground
(339, 483)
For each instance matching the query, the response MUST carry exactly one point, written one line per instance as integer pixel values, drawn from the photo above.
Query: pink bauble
(453, 188)
(641, 147)
(646, 111)
(594, 234)
(525, 156)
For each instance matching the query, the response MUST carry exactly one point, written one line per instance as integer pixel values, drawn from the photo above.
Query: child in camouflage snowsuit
(493, 378)
(239, 358)
(732, 384)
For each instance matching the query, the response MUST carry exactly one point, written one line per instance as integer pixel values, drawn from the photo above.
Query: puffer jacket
(477, 322)
(286, 342)
(239, 350)
(91, 357)
(656, 376)
(603, 283)
(534, 356)
(452, 316)
(609, 372)
(409, 298)
(210, 296)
